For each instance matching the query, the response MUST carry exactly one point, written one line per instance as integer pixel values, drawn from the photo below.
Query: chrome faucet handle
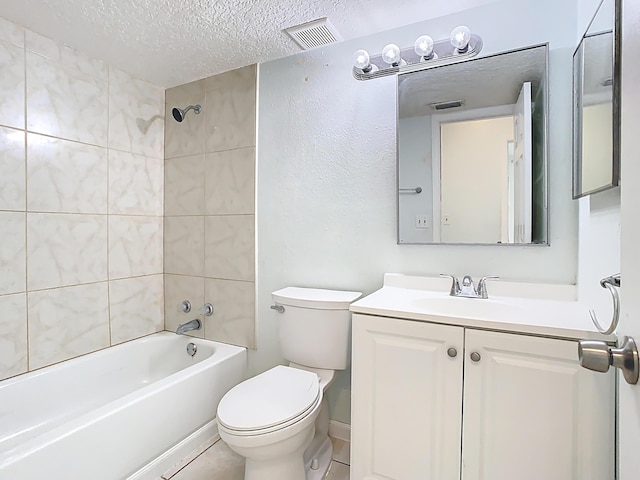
(184, 307)
(206, 310)
(455, 284)
(482, 285)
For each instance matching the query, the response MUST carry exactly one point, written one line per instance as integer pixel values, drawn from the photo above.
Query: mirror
(472, 151)
(596, 105)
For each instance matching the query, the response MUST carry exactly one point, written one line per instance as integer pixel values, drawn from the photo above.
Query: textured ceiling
(483, 82)
(171, 42)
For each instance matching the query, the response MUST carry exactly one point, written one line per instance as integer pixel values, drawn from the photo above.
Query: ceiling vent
(447, 105)
(314, 34)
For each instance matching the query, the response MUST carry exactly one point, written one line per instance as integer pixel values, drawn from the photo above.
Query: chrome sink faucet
(187, 327)
(467, 289)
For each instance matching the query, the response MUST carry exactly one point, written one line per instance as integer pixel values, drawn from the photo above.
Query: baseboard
(174, 459)
(340, 430)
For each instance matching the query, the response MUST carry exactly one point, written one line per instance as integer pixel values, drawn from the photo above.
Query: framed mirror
(472, 151)
(596, 103)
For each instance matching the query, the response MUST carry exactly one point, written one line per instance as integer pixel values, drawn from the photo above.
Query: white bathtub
(124, 412)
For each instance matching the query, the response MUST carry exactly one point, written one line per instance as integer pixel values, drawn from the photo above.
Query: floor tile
(218, 462)
(338, 471)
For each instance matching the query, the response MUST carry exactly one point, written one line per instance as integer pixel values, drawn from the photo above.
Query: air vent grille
(314, 34)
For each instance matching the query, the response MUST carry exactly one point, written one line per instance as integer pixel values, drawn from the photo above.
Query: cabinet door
(531, 412)
(406, 400)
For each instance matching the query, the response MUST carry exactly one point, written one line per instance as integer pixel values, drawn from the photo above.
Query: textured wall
(81, 149)
(210, 205)
(327, 174)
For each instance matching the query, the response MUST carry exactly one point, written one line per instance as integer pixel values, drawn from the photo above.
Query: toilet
(279, 420)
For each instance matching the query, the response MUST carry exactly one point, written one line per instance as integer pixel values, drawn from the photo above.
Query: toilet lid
(269, 399)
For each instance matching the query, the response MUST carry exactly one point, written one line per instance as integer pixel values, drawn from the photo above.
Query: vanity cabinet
(446, 402)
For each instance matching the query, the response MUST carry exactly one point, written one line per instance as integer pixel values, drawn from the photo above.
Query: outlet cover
(422, 221)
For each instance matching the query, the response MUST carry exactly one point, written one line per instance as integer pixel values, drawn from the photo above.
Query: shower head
(179, 114)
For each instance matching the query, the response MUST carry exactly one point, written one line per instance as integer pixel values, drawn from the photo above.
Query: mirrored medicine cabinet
(596, 103)
(472, 151)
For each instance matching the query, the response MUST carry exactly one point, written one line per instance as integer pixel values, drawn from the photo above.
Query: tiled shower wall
(81, 214)
(210, 205)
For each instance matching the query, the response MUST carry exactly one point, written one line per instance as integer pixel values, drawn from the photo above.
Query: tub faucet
(187, 327)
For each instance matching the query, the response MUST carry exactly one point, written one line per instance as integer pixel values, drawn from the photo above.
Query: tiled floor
(219, 462)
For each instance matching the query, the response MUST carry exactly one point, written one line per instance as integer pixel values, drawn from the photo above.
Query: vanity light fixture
(425, 53)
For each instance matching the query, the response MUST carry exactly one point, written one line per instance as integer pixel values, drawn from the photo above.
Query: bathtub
(126, 412)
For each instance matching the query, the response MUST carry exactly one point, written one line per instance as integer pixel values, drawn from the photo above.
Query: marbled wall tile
(230, 247)
(12, 252)
(230, 182)
(12, 167)
(136, 306)
(66, 103)
(178, 288)
(67, 322)
(13, 335)
(184, 180)
(135, 246)
(12, 85)
(231, 117)
(67, 177)
(136, 115)
(11, 33)
(135, 184)
(184, 245)
(244, 77)
(66, 56)
(186, 138)
(234, 318)
(66, 249)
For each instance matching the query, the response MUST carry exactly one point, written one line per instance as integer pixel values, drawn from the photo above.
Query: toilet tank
(315, 326)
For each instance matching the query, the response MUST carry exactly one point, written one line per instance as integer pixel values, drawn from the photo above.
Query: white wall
(474, 175)
(599, 220)
(415, 170)
(327, 172)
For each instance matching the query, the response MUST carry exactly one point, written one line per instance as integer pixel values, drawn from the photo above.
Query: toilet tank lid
(315, 298)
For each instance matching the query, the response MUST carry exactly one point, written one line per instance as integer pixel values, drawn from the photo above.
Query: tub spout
(187, 327)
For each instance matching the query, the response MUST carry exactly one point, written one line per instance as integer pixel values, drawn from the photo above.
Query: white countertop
(536, 309)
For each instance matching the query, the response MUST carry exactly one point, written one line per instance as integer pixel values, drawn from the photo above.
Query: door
(523, 151)
(629, 395)
(406, 399)
(531, 412)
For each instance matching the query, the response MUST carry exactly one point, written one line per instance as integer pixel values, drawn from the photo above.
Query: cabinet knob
(452, 352)
(475, 357)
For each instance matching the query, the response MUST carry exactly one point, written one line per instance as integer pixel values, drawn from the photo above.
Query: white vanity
(449, 388)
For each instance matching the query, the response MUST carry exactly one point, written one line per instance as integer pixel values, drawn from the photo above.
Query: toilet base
(323, 457)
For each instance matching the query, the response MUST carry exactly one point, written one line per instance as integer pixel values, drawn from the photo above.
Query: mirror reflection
(472, 151)
(596, 143)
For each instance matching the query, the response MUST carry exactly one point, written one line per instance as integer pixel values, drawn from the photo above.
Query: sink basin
(462, 307)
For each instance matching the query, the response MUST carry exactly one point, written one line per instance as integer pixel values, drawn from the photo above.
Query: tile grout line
(108, 208)
(26, 200)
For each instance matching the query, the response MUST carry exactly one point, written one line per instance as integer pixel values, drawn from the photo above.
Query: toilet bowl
(270, 420)
(279, 420)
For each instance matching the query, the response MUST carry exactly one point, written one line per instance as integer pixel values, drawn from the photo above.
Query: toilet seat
(270, 401)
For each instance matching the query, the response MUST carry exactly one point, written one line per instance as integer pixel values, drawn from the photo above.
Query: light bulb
(361, 59)
(391, 55)
(460, 37)
(424, 47)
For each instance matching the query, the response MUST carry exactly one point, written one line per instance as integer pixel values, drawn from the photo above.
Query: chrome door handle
(475, 357)
(598, 356)
(452, 352)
